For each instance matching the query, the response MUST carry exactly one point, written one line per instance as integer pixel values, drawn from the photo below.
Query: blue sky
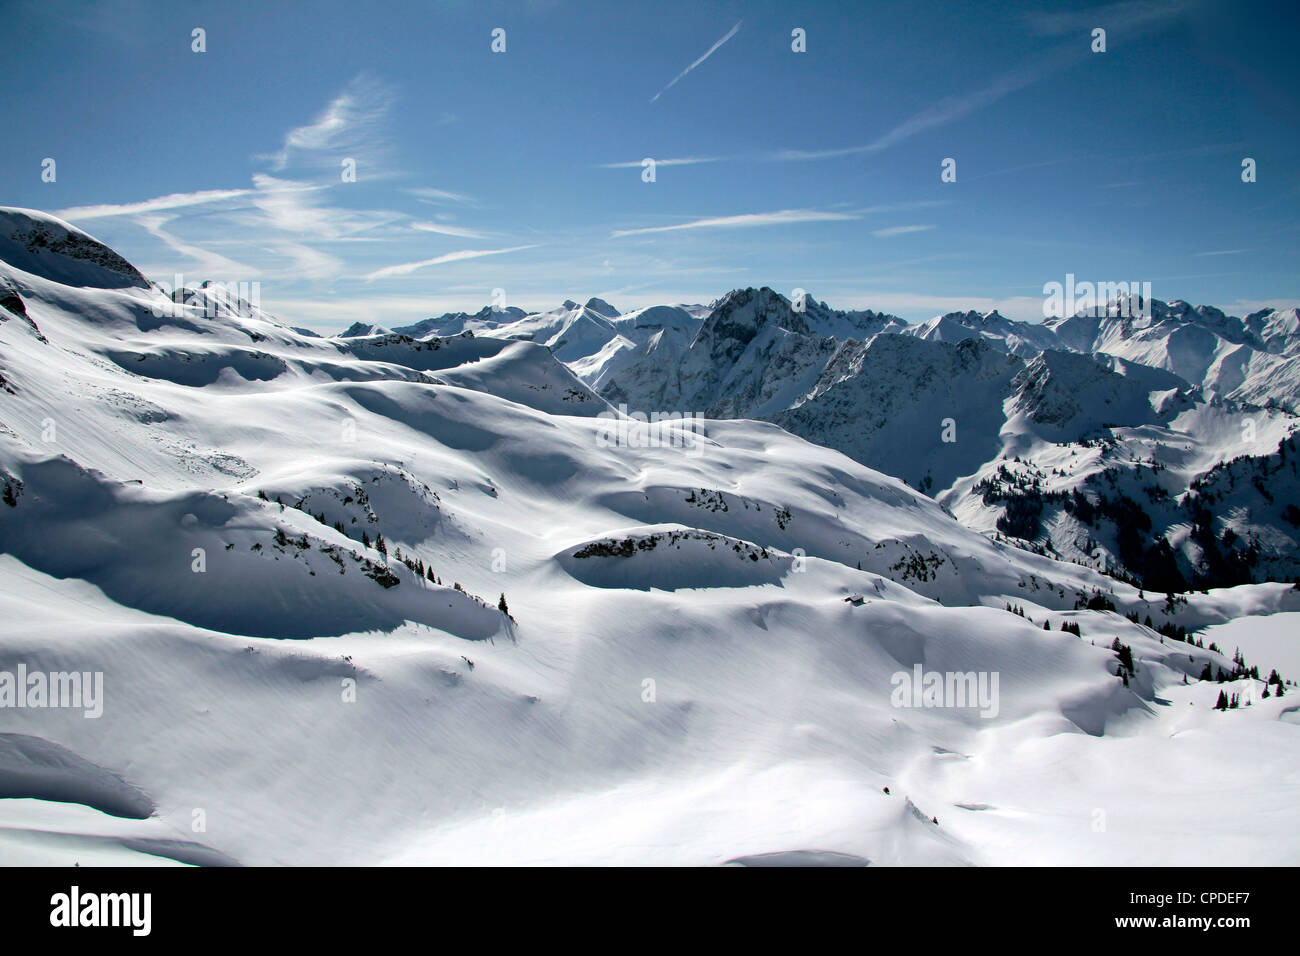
(522, 170)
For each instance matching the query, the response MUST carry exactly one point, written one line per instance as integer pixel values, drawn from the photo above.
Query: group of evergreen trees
(1124, 654)
(1068, 627)
(1239, 670)
(1226, 703)
(1274, 686)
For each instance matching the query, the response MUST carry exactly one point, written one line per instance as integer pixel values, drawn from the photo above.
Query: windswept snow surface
(701, 655)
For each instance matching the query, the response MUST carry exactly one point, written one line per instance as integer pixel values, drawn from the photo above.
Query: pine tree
(381, 546)
(365, 539)
(1222, 702)
(1207, 674)
(1125, 655)
(502, 606)
(1047, 625)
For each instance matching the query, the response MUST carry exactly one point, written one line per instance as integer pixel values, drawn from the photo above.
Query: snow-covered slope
(929, 412)
(565, 652)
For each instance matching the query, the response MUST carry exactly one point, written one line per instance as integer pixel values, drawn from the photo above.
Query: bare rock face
(11, 300)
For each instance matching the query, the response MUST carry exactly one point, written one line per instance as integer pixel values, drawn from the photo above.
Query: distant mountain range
(1006, 423)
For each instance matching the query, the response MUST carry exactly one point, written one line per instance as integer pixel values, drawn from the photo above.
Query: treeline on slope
(1126, 668)
(380, 574)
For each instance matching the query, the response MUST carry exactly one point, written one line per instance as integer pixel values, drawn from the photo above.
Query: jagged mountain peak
(741, 314)
(601, 307)
(362, 329)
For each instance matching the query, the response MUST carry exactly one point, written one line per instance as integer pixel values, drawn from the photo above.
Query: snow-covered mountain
(1023, 339)
(948, 404)
(592, 339)
(1238, 359)
(388, 598)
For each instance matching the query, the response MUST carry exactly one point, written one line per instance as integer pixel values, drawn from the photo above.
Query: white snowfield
(701, 662)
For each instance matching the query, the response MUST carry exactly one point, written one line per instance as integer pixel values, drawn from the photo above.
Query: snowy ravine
(701, 652)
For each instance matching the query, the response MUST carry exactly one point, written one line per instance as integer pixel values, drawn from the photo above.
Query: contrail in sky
(730, 33)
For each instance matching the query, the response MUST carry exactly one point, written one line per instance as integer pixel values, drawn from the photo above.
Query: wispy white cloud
(351, 126)
(903, 206)
(747, 220)
(438, 196)
(1027, 166)
(945, 111)
(445, 230)
(683, 161)
(158, 204)
(126, 22)
(707, 53)
(899, 230)
(295, 206)
(1131, 18)
(1223, 252)
(207, 263)
(1246, 306)
(306, 262)
(1114, 18)
(406, 268)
